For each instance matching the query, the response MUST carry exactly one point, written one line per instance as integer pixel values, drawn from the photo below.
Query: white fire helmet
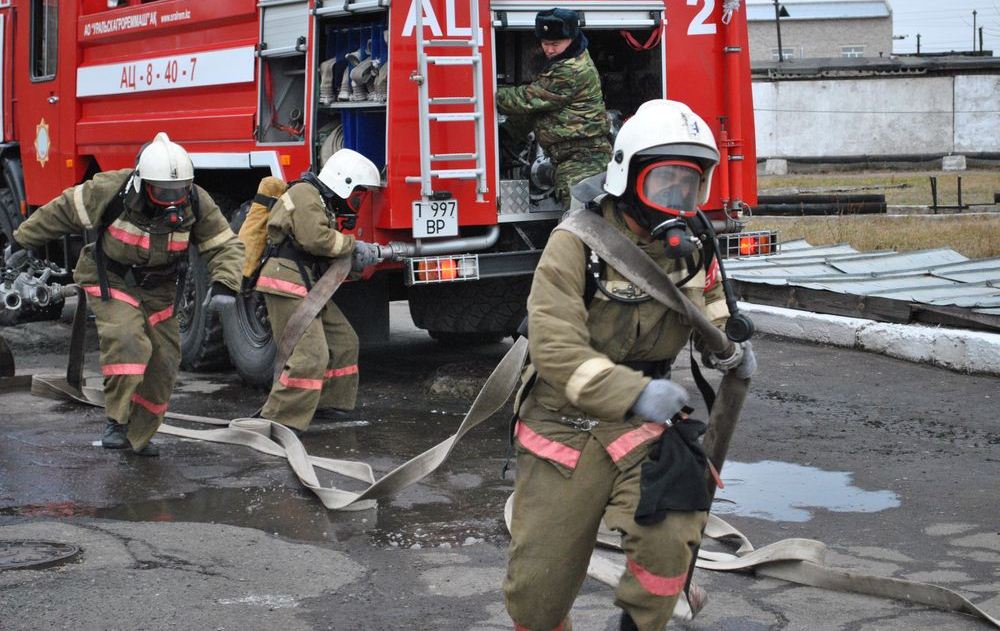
(667, 129)
(346, 169)
(165, 170)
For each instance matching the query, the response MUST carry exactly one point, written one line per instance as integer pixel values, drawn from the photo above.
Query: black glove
(365, 255)
(220, 297)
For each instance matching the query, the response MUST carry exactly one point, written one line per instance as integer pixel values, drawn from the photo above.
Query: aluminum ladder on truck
(425, 103)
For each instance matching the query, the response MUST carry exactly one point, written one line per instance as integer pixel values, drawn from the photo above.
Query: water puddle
(782, 491)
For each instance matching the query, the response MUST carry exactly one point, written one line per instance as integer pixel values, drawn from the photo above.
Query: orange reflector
(69, 163)
(285, 159)
(427, 272)
(449, 270)
(749, 245)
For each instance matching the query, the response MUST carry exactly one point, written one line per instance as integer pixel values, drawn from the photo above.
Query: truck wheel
(10, 216)
(248, 338)
(450, 338)
(478, 312)
(202, 345)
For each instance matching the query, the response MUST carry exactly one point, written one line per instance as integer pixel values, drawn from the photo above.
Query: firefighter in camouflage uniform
(144, 219)
(597, 394)
(320, 377)
(564, 104)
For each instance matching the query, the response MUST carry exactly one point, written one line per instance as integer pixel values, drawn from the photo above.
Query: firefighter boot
(149, 450)
(115, 435)
(626, 623)
(330, 415)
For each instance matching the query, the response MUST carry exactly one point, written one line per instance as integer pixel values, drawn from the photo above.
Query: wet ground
(893, 465)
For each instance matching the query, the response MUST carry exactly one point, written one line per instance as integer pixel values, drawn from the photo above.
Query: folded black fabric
(673, 478)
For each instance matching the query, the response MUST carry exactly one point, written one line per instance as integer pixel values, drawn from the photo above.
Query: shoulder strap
(112, 212)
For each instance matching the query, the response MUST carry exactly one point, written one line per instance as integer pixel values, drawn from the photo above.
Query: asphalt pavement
(893, 464)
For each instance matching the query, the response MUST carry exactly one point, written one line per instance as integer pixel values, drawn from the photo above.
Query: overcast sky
(943, 25)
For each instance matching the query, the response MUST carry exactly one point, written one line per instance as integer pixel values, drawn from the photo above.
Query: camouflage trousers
(321, 372)
(575, 160)
(554, 529)
(140, 355)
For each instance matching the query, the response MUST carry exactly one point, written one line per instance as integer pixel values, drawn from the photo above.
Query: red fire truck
(271, 87)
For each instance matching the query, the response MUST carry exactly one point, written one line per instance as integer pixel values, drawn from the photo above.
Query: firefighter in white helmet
(304, 234)
(597, 398)
(144, 220)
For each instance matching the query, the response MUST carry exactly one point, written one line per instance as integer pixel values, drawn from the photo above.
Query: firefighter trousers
(140, 355)
(554, 529)
(322, 370)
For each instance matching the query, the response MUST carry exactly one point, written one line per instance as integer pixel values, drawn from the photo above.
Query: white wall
(880, 116)
(977, 113)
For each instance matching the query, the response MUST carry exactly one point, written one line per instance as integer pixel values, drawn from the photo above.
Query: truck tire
(246, 329)
(202, 344)
(251, 346)
(478, 312)
(11, 197)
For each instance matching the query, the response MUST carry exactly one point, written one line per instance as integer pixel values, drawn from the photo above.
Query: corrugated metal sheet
(939, 277)
(820, 11)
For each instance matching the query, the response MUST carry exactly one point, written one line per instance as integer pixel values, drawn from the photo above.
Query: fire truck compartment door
(643, 14)
(283, 27)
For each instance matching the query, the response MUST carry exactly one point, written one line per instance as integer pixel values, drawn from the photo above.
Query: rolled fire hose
(327, 94)
(380, 87)
(361, 76)
(333, 143)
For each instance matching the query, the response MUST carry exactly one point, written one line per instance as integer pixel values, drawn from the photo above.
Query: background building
(812, 29)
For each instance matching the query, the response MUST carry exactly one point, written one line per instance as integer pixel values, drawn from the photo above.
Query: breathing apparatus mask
(664, 202)
(343, 211)
(169, 201)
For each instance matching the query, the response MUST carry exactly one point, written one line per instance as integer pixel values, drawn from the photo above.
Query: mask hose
(739, 327)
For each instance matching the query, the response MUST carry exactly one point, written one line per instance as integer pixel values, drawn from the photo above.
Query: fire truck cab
(273, 87)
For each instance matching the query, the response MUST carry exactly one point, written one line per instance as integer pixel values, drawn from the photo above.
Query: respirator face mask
(667, 192)
(345, 211)
(169, 199)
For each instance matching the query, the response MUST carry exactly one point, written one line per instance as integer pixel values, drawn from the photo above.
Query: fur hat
(557, 24)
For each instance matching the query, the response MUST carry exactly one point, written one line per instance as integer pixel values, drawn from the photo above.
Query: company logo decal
(42, 142)
(120, 24)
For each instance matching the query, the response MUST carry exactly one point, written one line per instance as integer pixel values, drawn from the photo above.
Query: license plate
(435, 219)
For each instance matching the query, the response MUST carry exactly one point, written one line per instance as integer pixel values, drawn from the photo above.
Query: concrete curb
(966, 351)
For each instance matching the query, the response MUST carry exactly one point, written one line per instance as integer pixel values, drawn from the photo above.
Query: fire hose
(796, 560)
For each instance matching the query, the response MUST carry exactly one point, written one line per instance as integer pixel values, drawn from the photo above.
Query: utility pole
(973, 30)
(918, 43)
(980, 39)
(777, 24)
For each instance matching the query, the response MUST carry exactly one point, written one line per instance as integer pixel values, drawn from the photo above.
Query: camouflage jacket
(300, 215)
(579, 352)
(565, 101)
(133, 239)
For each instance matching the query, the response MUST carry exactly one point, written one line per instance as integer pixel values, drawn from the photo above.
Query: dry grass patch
(974, 236)
(901, 188)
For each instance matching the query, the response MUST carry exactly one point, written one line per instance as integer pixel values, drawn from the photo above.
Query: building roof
(825, 68)
(763, 10)
(940, 280)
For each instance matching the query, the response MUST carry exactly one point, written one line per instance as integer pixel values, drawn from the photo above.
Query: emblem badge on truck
(42, 142)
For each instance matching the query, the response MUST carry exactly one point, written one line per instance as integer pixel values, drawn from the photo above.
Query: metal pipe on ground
(815, 198)
(811, 210)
